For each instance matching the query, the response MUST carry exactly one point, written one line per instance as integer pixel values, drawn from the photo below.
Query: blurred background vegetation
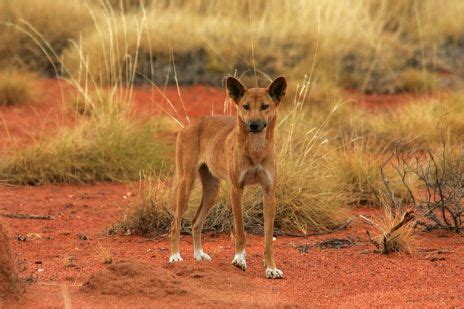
(374, 46)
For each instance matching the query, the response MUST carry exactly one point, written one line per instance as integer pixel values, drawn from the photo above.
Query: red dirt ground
(317, 278)
(63, 268)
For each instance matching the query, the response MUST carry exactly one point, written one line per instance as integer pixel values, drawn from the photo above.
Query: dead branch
(408, 216)
(27, 216)
(387, 237)
(376, 244)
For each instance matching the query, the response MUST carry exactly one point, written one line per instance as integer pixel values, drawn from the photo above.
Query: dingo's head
(256, 106)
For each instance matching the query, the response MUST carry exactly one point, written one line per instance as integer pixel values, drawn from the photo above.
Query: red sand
(65, 268)
(320, 277)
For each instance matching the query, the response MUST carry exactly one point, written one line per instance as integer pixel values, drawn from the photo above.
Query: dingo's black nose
(256, 126)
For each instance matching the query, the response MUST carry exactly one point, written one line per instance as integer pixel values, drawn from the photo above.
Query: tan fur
(223, 148)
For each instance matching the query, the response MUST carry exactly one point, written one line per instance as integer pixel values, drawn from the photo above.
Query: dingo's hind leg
(186, 172)
(210, 190)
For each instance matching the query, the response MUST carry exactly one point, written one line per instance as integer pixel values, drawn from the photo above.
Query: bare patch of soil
(313, 277)
(139, 278)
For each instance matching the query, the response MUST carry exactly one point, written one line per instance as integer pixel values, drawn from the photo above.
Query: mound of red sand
(9, 283)
(183, 283)
(135, 278)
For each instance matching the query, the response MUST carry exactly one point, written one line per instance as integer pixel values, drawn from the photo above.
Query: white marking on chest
(254, 174)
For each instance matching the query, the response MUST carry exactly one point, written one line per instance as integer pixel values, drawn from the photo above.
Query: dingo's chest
(255, 174)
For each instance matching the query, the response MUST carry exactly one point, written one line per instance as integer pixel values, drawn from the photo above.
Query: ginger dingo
(237, 148)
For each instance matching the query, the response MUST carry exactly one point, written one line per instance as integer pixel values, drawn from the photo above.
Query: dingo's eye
(246, 106)
(264, 106)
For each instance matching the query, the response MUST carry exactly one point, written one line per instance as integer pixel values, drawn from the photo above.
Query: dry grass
(93, 151)
(151, 211)
(374, 46)
(104, 254)
(23, 21)
(100, 103)
(394, 231)
(418, 81)
(384, 46)
(108, 145)
(415, 124)
(358, 166)
(69, 261)
(17, 87)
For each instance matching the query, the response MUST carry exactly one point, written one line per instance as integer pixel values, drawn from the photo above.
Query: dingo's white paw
(201, 256)
(239, 261)
(175, 257)
(274, 273)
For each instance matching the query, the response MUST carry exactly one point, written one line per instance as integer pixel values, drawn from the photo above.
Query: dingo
(239, 149)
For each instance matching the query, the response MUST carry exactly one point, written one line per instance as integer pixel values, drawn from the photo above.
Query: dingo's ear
(277, 89)
(235, 89)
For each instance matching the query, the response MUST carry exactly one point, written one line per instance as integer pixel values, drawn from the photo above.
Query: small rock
(303, 248)
(436, 258)
(21, 238)
(82, 236)
(32, 278)
(69, 261)
(335, 243)
(111, 231)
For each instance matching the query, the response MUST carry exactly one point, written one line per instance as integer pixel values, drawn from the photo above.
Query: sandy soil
(140, 275)
(61, 261)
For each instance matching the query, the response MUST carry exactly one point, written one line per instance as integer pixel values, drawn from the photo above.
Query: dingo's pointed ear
(277, 89)
(235, 89)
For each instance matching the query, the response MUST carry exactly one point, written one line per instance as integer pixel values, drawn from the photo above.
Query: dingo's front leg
(240, 241)
(269, 214)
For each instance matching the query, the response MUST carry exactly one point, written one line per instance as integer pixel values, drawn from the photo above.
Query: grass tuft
(17, 87)
(114, 151)
(104, 254)
(358, 167)
(108, 146)
(394, 231)
(150, 212)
